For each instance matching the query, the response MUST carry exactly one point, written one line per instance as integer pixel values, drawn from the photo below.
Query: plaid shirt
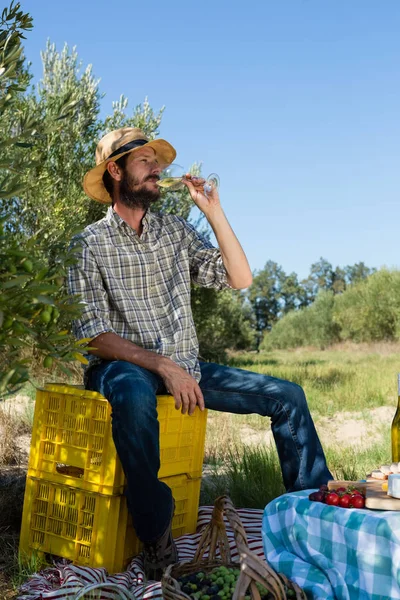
(139, 287)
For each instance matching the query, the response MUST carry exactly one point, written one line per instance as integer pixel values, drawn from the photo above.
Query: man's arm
(233, 256)
(182, 386)
(239, 275)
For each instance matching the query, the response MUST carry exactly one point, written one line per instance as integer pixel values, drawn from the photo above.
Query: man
(134, 273)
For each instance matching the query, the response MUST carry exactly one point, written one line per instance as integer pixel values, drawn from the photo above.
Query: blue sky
(294, 103)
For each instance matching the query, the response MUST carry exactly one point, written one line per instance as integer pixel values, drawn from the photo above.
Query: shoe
(160, 553)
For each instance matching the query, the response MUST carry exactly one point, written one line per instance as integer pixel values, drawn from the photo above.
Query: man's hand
(183, 387)
(205, 202)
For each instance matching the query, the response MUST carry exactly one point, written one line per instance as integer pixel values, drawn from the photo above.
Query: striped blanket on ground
(64, 580)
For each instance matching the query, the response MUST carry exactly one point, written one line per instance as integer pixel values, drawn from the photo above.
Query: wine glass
(172, 176)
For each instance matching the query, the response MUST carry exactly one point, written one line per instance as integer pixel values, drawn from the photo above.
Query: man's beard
(135, 195)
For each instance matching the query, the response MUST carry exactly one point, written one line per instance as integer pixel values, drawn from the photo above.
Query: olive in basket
(219, 584)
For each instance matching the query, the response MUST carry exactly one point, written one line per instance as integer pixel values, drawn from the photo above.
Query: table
(332, 552)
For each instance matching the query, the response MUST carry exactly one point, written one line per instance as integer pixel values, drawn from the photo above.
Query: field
(352, 394)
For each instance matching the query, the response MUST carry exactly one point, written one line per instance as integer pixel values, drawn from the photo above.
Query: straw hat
(114, 145)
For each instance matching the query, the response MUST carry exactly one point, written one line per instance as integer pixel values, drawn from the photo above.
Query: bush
(311, 326)
(370, 310)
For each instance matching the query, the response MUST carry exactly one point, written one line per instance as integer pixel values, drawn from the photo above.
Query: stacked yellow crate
(74, 505)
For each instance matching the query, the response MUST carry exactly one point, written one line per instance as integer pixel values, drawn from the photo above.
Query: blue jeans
(132, 390)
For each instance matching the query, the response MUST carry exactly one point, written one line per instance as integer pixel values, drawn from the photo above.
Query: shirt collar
(116, 221)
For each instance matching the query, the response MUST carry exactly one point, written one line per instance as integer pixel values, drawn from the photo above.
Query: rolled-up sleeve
(206, 265)
(84, 279)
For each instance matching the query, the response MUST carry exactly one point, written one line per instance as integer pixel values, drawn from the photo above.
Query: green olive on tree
(27, 265)
(47, 362)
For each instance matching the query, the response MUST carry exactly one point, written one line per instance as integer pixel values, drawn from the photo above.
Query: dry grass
(223, 432)
(10, 428)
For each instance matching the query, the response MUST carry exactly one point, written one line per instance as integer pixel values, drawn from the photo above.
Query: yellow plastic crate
(93, 529)
(72, 441)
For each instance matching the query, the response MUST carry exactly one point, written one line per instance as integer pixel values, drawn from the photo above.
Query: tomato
(341, 490)
(332, 499)
(353, 497)
(358, 502)
(344, 501)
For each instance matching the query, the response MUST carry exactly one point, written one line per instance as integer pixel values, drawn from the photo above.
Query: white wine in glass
(172, 182)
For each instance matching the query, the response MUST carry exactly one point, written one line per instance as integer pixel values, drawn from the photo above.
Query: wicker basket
(252, 568)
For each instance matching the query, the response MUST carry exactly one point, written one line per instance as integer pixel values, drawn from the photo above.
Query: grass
(14, 570)
(251, 476)
(347, 378)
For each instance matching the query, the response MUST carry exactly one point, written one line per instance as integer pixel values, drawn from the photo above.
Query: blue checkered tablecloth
(331, 552)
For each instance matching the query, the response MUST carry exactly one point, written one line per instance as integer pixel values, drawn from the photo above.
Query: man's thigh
(119, 378)
(235, 390)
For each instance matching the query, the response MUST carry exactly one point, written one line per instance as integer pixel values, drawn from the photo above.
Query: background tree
(63, 156)
(33, 303)
(320, 278)
(291, 292)
(264, 296)
(357, 272)
(324, 277)
(273, 294)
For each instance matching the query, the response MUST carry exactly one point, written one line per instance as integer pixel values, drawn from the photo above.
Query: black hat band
(127, 147)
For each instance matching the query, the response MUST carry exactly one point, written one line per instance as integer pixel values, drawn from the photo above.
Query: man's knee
(290, 393)
(295, 395)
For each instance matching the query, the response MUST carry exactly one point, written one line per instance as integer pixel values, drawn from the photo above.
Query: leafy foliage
(324, 277)
(223, 320)
(368, 310)
(310, 326)
(273, 294)
(33, 302)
